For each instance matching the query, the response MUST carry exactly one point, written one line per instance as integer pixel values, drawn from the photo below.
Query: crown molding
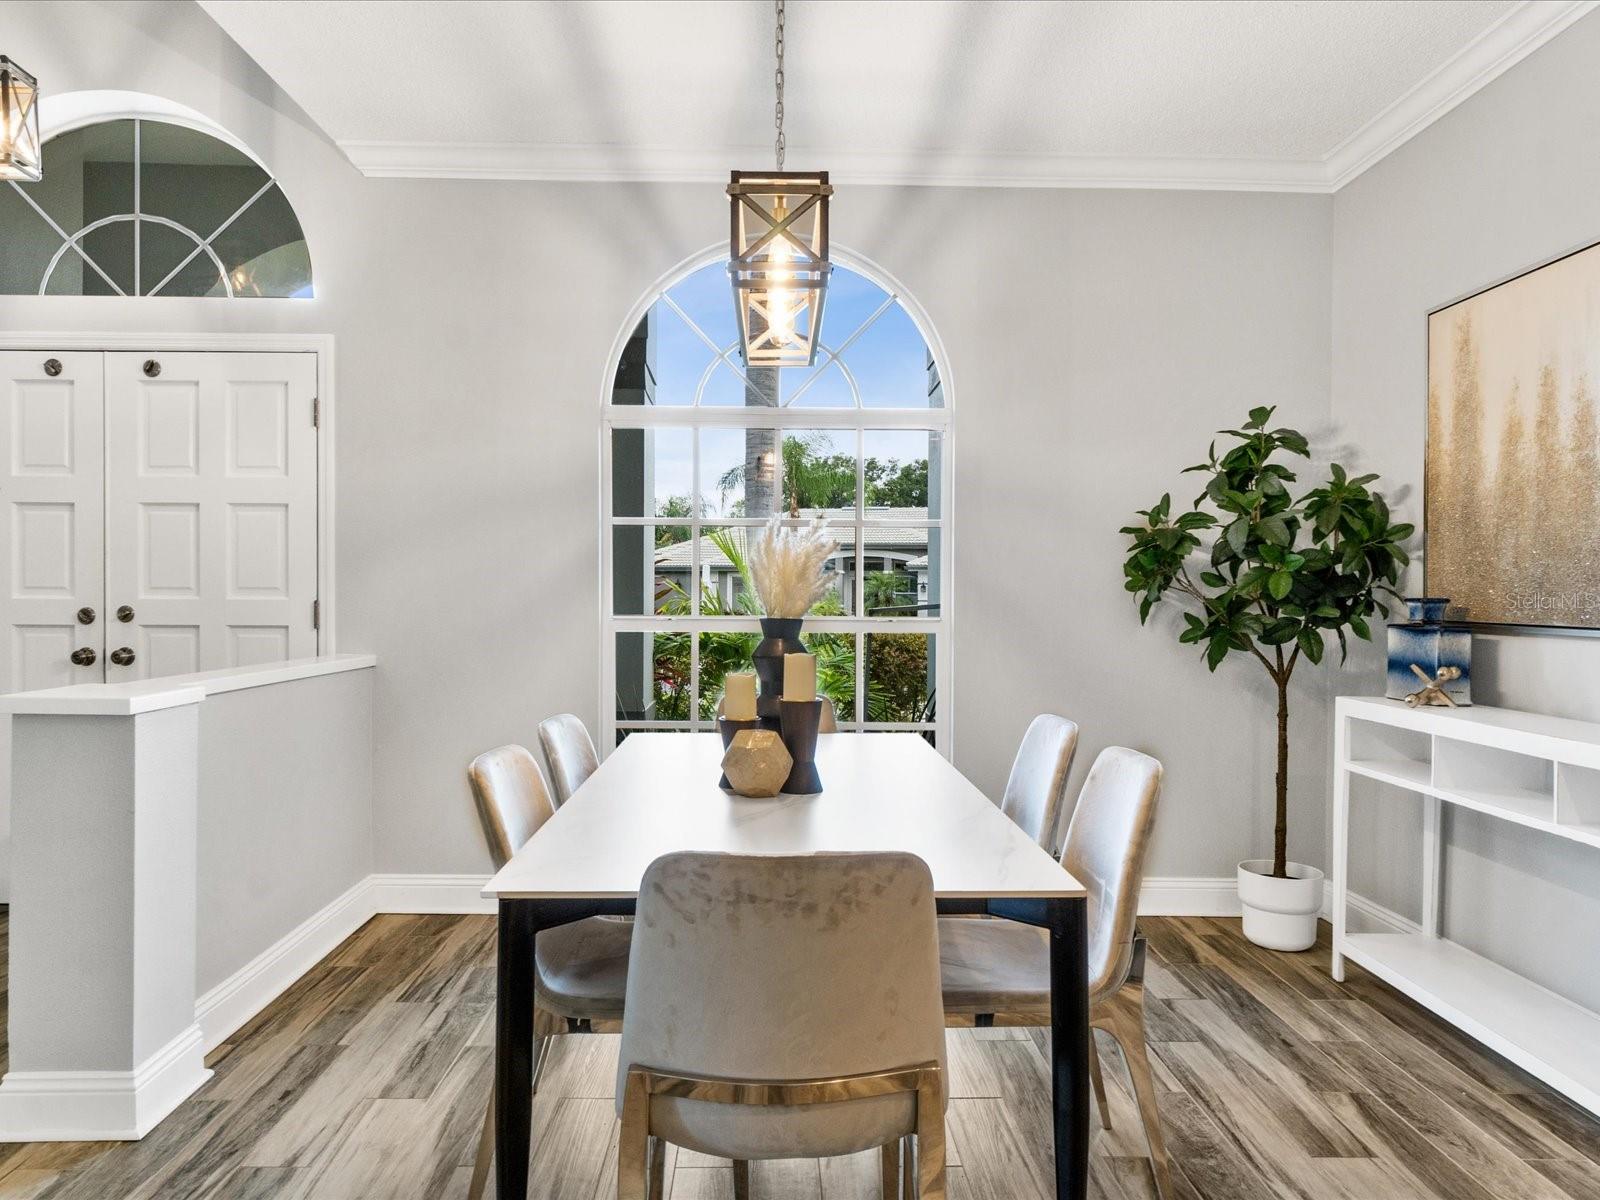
(577, 163)
(1488, 56)
(1520, 32)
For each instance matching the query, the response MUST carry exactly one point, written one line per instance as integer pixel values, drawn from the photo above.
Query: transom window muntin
(862, 411)
(145, 207)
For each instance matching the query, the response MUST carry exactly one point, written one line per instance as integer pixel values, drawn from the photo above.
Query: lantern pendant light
(778, 252)
(20, 157)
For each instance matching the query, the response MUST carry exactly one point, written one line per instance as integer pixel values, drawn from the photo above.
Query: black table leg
(513, 1055)
(1067, 921)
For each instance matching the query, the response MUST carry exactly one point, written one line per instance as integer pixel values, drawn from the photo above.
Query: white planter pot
(1280, 914)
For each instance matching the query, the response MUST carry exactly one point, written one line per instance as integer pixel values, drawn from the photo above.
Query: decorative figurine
(1432, 690)
(1425, 640)
(757, 764)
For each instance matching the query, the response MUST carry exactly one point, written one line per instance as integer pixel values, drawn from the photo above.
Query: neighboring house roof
(880, 535)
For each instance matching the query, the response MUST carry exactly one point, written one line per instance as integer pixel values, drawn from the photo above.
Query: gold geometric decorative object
(21, 154)
(757, 763)
(778, 263)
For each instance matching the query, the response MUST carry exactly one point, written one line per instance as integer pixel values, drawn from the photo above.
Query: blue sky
(888, 361)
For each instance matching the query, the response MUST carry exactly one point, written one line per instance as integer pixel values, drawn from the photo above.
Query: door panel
(51, 487)
(211, 516)
(52, 514)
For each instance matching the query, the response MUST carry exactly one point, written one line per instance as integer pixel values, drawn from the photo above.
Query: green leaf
(1311, 644)
(1258, 418)
(1275, 530)
(1280, 584)
(1217, 650)
(1237, 535)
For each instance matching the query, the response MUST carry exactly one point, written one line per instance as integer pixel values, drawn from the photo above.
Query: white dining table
(657, 793)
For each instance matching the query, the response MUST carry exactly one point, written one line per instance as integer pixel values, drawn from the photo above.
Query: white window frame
(856, 420)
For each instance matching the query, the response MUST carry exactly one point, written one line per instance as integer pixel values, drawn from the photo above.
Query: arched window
(699, 451)
(142, 207)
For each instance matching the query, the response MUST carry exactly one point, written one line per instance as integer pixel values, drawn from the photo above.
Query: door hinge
(316, 614)
(316, 412)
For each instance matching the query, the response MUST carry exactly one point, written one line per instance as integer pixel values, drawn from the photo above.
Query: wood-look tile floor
(368, 1079)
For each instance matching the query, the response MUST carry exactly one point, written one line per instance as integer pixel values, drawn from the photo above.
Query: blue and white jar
(1428, 641)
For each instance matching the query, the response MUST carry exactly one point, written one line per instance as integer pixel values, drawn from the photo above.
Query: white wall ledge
(173, 691)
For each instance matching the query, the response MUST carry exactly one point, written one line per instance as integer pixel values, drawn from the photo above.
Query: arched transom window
(141, 207)
(701, 451)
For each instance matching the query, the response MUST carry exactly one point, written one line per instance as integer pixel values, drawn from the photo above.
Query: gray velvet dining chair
(1038, 779)
(570, 753)
(784, 1006)
(1004, 967)
(581, 969)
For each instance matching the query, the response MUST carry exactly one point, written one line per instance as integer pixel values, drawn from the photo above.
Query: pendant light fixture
(778, 251)
(20, 157)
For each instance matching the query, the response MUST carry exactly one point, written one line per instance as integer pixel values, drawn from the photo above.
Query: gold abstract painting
(1512, 486)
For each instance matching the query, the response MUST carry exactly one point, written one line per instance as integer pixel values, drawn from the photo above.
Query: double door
(159, 513)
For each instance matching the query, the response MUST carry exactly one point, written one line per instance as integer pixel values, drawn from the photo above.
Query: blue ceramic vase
(1428, 641)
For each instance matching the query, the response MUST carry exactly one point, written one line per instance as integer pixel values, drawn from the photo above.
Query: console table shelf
(1539, 772)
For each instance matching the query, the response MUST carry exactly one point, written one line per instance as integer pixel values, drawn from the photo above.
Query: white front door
(211, 511)
(52, 475)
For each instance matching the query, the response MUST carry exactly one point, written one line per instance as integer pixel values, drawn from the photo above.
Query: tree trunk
(1280, 833)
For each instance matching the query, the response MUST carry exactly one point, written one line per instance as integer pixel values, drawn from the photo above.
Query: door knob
(86, 616)
(125, 613)
(152, 368)
(122, 655)
(83, 657)
(52, 367)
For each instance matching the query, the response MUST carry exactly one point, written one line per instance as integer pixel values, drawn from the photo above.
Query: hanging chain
(777, 82)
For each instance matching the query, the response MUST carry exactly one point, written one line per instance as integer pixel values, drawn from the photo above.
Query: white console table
(1541, 772)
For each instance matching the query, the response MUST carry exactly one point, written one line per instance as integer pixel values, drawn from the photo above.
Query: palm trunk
(1280, 833)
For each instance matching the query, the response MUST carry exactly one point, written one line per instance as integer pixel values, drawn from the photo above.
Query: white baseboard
(226, 1007)
(429, 894)
(1189, 896)
(110, 1106)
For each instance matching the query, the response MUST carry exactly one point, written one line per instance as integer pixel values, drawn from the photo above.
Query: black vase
(781, 635)
(802, 721)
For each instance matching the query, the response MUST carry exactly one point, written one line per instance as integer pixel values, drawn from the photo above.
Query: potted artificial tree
(1283, 574)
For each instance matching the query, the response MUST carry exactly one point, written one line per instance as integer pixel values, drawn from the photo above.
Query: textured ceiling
(1007, 84)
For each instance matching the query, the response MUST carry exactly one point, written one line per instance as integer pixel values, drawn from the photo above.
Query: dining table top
(658, 793)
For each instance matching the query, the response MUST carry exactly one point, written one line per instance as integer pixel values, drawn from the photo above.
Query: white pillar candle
(799, 676)
(739, 695)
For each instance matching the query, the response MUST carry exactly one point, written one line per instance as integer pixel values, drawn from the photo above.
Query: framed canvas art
(1512, 481)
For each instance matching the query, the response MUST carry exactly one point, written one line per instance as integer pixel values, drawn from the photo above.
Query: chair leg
(741, 1179)
(1123, 1018)
(481, 1164)
(657, 1150)
(633, 1142)
(930, 1139)
(1099, 1082)
(889, 1161)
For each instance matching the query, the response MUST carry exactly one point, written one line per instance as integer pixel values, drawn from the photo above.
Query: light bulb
(781, 300)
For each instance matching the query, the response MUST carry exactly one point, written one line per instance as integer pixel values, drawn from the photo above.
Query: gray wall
(285, 820)
(1095, 341)
(1508, 179)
